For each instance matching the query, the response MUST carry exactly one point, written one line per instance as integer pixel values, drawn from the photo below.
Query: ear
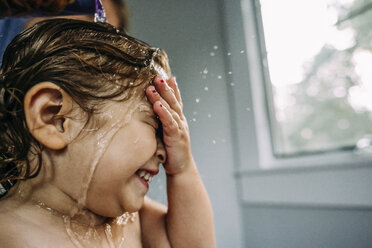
(46, 106)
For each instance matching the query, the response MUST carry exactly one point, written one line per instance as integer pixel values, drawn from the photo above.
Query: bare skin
(186, 222)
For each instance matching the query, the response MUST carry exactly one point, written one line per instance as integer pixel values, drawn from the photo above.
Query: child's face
(116, 186)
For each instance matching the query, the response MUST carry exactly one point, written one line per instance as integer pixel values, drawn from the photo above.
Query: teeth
(145, 175)
(142, 173)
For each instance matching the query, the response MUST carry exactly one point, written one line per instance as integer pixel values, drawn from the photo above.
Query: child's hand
(167, 104)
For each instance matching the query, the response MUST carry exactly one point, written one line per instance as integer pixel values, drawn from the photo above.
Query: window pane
(319, 56)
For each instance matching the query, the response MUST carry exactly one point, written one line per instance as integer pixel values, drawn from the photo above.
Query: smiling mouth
(145, 175)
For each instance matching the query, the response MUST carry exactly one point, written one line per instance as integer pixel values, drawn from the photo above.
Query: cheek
(127, 151)
(145, 144)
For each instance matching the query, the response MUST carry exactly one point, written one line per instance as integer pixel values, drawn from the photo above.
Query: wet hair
(92, 62)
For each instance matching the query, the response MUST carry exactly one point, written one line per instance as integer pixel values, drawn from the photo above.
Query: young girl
(87, 114)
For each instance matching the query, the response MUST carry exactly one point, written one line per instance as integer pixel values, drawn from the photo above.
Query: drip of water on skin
(109, 238)
(103, 139)
(136, 140)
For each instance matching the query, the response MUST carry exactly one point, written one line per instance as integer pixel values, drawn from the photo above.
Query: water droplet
(131, 83)
(228, 54)
(232, 84)
(209, 115)
(197, 100)
(195, 113)
(212, 54)
(215, 47)
(194, 119)
(214, 142)
(206, 88)
(205, 71)
(242, 51)
(219, 76)
(248, 108)
(229, 72)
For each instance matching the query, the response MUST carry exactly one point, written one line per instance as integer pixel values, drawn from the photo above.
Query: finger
(170, 125)
(154, 96)
(168, 94)
(173, 84)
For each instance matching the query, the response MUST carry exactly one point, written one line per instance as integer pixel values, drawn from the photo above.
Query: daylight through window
(319, 57)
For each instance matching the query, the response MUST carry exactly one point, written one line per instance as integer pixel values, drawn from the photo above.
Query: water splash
(70, 233)
(109, 238)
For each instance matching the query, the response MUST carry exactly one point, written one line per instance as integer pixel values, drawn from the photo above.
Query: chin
(134, 207)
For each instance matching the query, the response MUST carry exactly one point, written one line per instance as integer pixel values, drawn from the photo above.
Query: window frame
(263, 106)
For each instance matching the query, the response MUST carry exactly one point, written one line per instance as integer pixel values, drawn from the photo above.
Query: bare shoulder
(153, 226)
(19, 228)
(9, 236)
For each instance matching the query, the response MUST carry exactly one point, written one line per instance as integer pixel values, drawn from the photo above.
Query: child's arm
(188, 222)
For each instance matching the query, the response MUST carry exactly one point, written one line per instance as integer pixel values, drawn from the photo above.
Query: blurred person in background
(17, 16)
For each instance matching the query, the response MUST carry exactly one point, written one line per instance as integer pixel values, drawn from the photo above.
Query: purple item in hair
(100, 15)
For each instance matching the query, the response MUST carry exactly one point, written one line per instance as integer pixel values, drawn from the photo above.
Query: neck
(48, 197)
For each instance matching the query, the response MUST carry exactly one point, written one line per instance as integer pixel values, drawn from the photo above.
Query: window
(318, 74)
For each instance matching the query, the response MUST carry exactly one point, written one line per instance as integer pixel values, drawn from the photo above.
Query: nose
(160, 151)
